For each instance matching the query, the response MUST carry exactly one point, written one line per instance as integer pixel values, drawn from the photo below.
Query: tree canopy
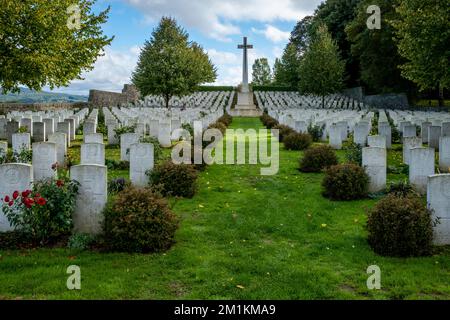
(286, 69)
(170, 65)
(39, 46)
(262, 74)
(423, 30)
(321, 68)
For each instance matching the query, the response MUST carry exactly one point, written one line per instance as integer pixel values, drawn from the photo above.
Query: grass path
(244, 236)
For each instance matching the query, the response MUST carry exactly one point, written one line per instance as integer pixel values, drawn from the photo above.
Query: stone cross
(245, 46)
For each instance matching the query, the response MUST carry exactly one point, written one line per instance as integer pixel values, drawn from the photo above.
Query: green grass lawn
(243, 236)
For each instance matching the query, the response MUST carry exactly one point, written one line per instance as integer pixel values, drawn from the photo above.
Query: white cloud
(273, 34)
(217, 18)
(110, 72)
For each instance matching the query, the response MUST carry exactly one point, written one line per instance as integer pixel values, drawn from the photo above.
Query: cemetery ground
(243, 236)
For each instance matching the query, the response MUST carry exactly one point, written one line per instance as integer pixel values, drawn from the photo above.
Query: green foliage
(44, 213)
(297, 141)
(400, 227)
(123, 130)
(316, 132)
(353, 152)
(284, 131)
(423, 30)
(80, 241)
(177, 180)
(318, 158)
(345, 182)
(302, 33)
(336, 15)
(22, 129)
(117, 164)
(157, 149)
(218, 125)
(214, 88)
(117, 185)
(401, 189)
(286, 70)
(321, 67)
(376, 50)
(101, 125)
(226, 119)
(41, 49)
(262, 75)
(139, 220)
(23, 156)
(268, 121)
(171, 65)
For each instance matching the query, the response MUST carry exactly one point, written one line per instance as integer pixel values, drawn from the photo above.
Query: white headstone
(164, 135)
(438, 196)
(21, 141)
(93, 138)
(141, 161)
(13, 177)
(421, 166)
(444, 154)
(374, 160)
(39, 131)
(44, 157)
(93, 153)
(91, 199)
(126, 140)
(60, 139)
(335, 137)
(408, 144)
(377, 141)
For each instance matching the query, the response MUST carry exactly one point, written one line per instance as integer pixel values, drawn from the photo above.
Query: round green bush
(139, 220)
(400, 227)
(218, 125)
(177, 180)
(268, 121)
(317, 158)
(345, 182)
(226, 119)
(284, 131)
(297, 141)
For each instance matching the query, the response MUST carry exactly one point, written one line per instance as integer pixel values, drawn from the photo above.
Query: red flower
(41, 201)
(60, 183)
(26, 193)
(37, 195)
(29, 202)
(11, 203)
(7, 199)
(16, 195)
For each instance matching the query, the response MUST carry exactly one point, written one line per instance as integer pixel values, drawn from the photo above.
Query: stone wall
(7, 107)
(390, 100)
(100, 98)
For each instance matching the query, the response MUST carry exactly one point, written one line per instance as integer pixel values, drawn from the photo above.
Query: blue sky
(218, 25)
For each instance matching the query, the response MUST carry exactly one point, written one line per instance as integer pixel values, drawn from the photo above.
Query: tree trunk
(323, 102)
(167, 98)
(441, 95)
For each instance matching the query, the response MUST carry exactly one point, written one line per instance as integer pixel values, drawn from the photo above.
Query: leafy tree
(41, 44)
(337, 14)
(286, 69)
(262, 74)
(423, 30)
(170, 65)
(301, 35)
(321, 68)
(376, 49)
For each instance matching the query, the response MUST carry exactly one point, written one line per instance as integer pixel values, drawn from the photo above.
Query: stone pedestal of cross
(245, 47)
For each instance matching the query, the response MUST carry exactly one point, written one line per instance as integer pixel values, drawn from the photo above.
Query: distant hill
(29, 96)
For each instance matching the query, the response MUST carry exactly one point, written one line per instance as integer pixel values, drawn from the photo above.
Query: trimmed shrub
(139, 220)
(268, 121)
(117, 185)
(226, 119)
(218, 125)
(316, 132)
(284, 131)
(318, 158)
(297, 141)
(177, 180)
(400, 227)
(345, 182)
(401, 189)
(353, 152)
